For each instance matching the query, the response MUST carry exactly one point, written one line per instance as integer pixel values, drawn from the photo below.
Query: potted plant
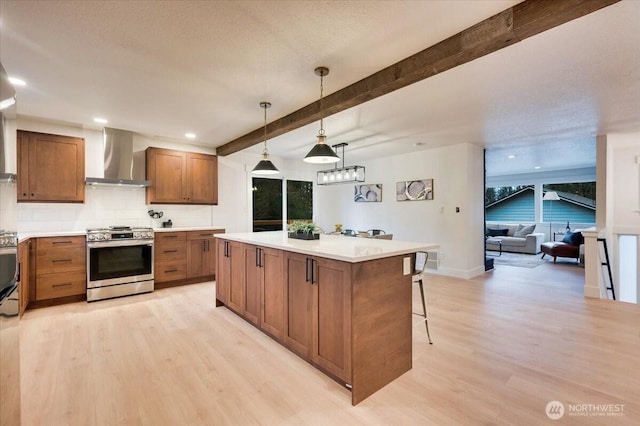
(303, 230)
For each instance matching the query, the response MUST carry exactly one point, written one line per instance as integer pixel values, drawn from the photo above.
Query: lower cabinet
(201, 253)
(302, 301)
(170, 257)
(264, 289)
(350, 320)
(318, 312)
(61, 267)
(24, 264)
(182, 255)
(230, 280)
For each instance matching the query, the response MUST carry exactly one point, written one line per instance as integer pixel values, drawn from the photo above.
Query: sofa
(515, 238)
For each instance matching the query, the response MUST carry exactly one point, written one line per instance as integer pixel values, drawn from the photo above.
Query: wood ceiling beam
(508, 27)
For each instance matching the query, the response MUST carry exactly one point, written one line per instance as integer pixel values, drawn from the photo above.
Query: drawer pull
(170, 251)
(169, 236)
(61, 260)
(61, 285)
(170, 270)
(62, 242)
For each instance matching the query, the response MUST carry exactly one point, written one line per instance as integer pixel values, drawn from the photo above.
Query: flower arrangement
(338, 227)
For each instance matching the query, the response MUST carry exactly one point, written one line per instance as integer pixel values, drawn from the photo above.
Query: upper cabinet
(50, 168)
(179, 177)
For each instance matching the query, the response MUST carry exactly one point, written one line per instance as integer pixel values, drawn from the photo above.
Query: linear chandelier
(342, 174)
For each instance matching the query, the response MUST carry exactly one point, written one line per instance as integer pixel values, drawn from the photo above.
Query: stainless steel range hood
(121, 165)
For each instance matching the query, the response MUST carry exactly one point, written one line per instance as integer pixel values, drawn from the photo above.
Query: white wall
(113, 205)
(458, 182)
(623, 211)
(110, 205)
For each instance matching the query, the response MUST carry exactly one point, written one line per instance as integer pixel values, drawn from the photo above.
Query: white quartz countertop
(26, 235)
(188, 228)
(337, 247)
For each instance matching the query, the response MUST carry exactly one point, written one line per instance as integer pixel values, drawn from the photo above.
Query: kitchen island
(341, 303)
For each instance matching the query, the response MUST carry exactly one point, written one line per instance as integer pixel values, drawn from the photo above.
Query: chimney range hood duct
(121, 165)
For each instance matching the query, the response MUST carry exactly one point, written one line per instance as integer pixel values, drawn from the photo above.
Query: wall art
(414, 190)
(368, 193)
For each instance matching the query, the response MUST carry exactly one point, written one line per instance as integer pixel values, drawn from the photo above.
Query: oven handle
(118, 243)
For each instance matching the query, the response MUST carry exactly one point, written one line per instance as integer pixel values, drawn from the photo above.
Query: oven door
(119, 262)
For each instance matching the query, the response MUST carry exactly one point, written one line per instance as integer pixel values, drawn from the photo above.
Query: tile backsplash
(105, 206)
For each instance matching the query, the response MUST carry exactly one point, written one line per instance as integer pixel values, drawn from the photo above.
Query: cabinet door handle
(306, 269)
(61, 260)
(18, 277)
(62, 242)
(260, 257)
(313, 271)
(170, 251)
(208, 245)
(226, 249)
(61, 285)
(169, 236)
(170, 270)
(257, 257)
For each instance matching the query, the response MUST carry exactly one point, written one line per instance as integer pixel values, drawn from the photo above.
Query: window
(267, 204)
(299, 200)
(510, 204)
(577, 204)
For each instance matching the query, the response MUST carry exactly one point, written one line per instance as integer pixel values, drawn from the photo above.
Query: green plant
(301, 226)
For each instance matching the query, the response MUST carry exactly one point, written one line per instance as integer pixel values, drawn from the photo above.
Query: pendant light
(265, 166)
(321, 153)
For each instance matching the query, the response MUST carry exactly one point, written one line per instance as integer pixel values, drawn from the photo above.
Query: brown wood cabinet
(50, 168)
(257, 292)
(350, 320)
(201, 253)
(318, 312)
(230, 278)
(170, 256)
(179, 177)
(61, 267)
(24, 265)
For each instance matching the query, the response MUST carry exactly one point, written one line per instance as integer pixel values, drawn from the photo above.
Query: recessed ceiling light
(190, 135)
(17, 81)
(536, 167)
(511, 156)
(100, 120)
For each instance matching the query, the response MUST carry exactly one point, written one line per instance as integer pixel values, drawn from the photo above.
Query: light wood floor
(504, 345)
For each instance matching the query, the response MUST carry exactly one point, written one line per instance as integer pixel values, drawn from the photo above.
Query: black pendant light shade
(321, 153)
(265, 166)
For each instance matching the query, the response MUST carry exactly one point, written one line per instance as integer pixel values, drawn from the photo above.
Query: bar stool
(420, 266)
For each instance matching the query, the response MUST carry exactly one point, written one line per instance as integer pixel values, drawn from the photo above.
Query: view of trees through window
(299, 200)
(267, 203)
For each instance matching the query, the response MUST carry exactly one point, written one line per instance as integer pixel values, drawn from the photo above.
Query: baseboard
(459, 273)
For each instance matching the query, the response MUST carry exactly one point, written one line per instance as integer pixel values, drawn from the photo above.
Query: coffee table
(494, 240)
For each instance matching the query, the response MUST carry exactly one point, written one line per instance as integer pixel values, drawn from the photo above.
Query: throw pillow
(577, 239)
(497, 232)
(523, 231)
(568, 238)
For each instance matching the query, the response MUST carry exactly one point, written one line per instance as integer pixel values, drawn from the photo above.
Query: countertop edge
(415, 246)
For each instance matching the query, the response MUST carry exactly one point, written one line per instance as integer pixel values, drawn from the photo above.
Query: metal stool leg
(424, 308)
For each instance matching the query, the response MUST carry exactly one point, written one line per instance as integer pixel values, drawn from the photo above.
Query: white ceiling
(170, 67)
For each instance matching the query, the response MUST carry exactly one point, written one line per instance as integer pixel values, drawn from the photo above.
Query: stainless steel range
(119, 262)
